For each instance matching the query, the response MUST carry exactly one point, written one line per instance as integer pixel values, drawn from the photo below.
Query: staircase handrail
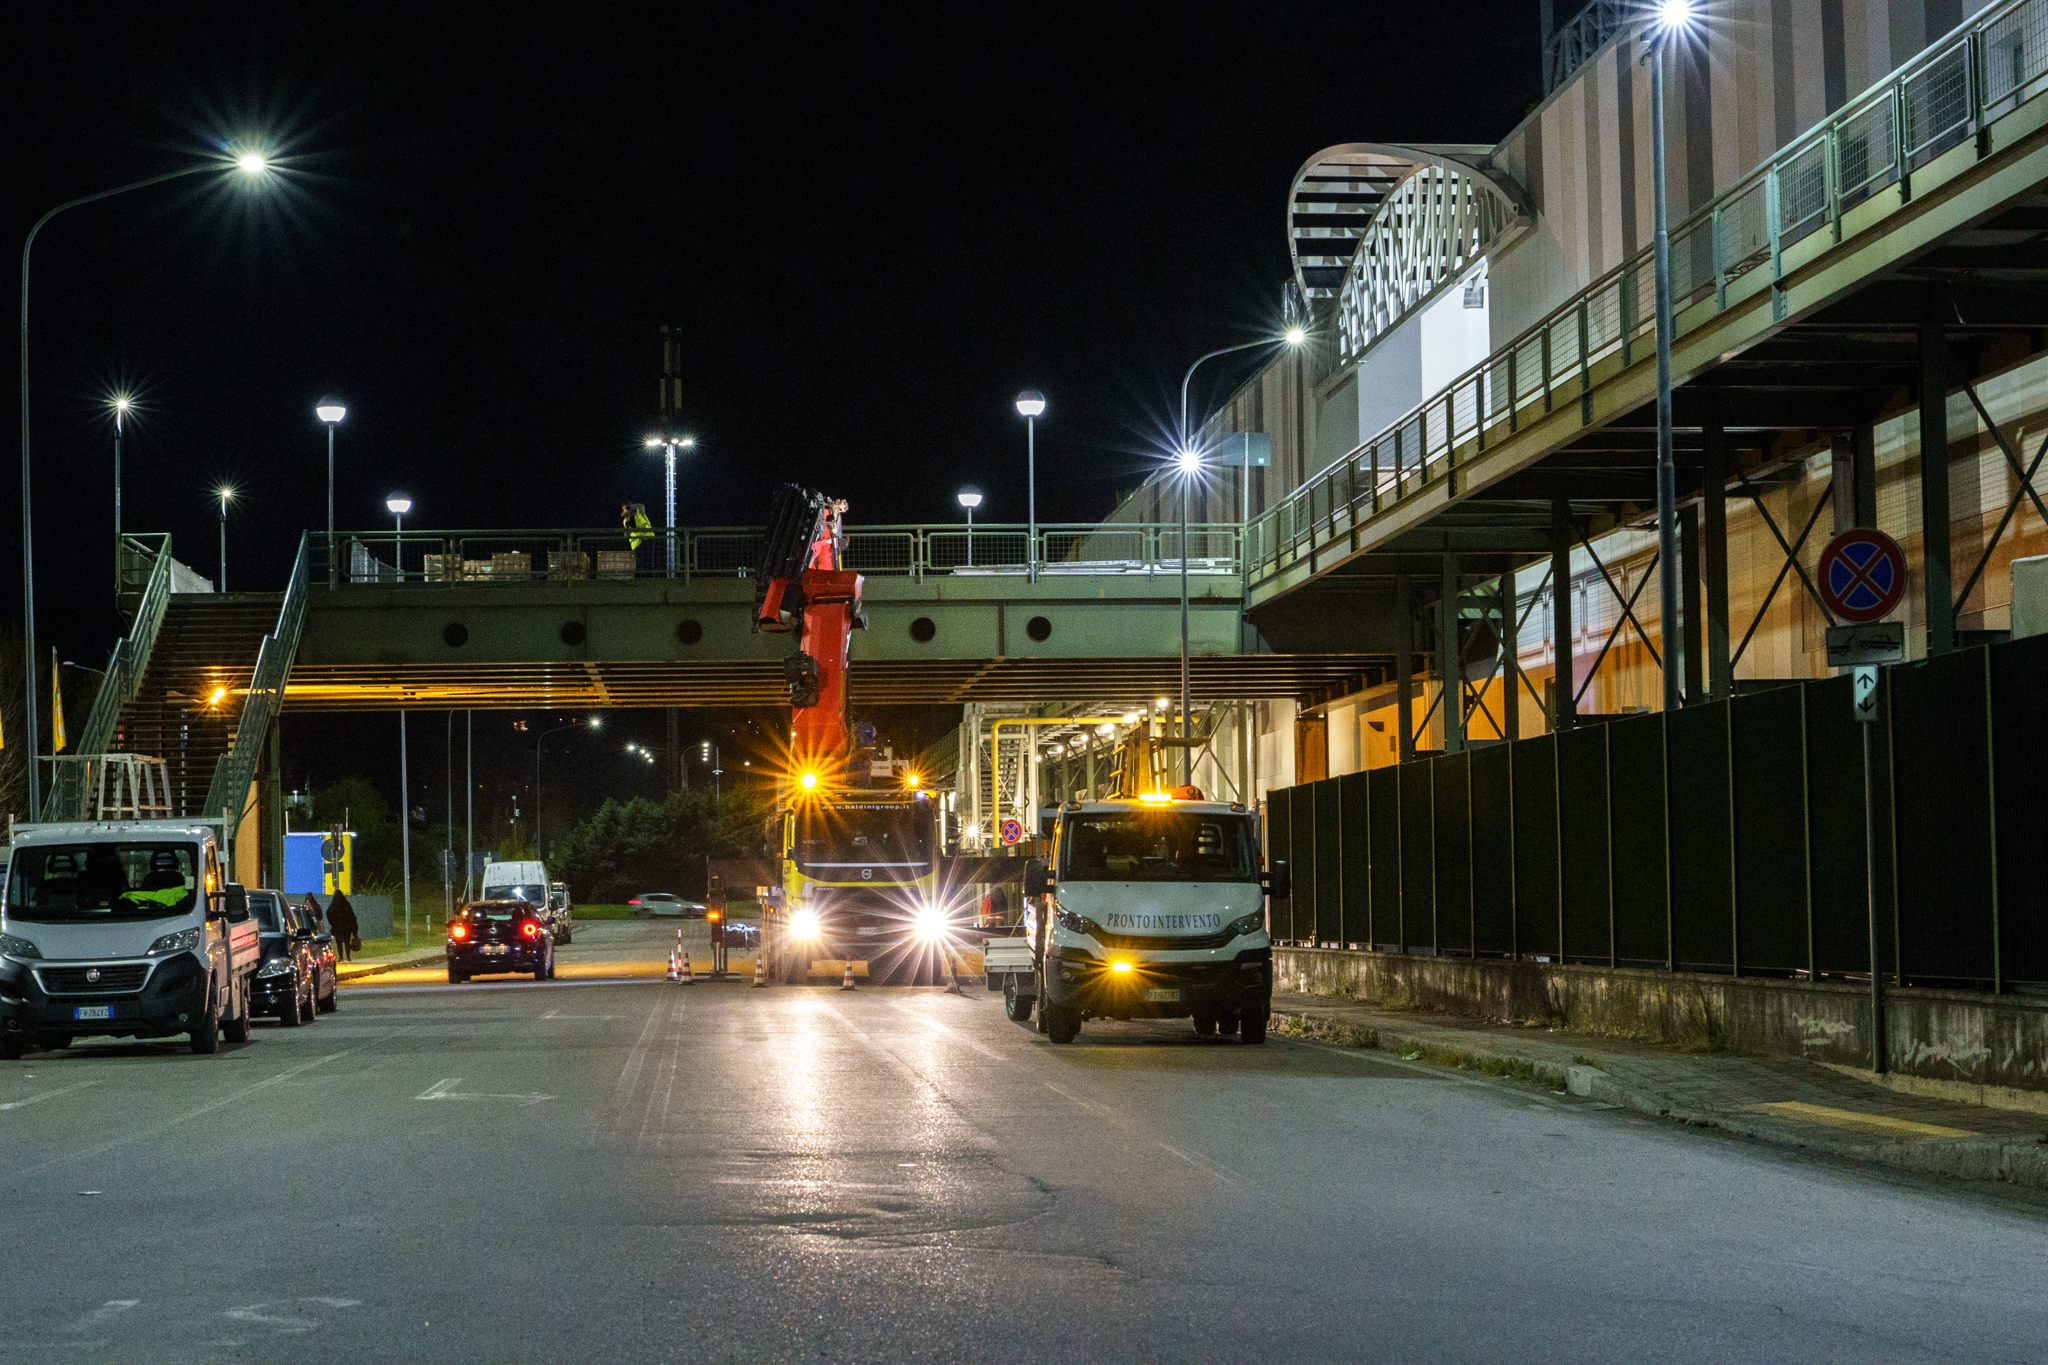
(237, 767)
(125, 668)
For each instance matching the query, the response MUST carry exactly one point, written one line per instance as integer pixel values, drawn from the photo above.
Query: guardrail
(1949, 93)
(237, 767)
(390, 558)
(144, 561)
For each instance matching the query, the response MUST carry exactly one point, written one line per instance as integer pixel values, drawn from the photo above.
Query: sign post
(1862, 578)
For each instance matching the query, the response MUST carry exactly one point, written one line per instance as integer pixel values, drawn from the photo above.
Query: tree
(643, 845)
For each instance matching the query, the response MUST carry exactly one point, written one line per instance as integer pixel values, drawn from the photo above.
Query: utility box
(2030, 596)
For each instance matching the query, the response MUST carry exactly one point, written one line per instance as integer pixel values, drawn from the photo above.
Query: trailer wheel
(1015, 1004)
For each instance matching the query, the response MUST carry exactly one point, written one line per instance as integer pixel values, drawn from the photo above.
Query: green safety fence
(1722, 838)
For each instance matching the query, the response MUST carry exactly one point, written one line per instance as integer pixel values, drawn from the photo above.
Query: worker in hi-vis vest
(633, 517)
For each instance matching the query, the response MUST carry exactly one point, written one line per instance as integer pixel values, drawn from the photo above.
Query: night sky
(872, 225)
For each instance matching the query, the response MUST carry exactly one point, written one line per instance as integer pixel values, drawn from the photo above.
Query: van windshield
(1156, 846)
(95, 883)
(533, 893)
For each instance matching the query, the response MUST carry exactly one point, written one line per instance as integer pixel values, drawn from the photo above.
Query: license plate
(494, 949)
(1161, 996)
(92, 1012)
(866, 929)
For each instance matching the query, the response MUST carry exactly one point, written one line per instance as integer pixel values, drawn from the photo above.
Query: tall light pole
(714, 756)
(670, 445)
(252, 164)
(226, 495)
(330, 411)
(970, 498)
(399, 505)
(1031, 406)
(1674, 18)
(594, 723)
(1189, 460)
(120, 403)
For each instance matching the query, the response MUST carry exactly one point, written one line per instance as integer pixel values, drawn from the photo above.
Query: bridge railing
(1735, 247)
(431, 557)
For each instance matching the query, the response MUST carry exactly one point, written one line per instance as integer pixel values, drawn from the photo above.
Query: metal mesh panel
(726, 554)
(1866, 151)
(2015, 54)
(1937, 106)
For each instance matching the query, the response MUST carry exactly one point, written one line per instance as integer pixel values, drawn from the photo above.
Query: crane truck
(856, 830)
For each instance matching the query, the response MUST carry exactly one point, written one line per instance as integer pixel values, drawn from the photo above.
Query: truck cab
(1153, 908)
(125, 929)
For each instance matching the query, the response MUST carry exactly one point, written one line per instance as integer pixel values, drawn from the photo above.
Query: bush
(642, 845)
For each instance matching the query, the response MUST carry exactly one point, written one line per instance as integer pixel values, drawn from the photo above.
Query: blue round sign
(1010, 831)
(1862, 575)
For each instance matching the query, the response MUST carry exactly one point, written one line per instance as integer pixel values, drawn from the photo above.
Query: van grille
(1175, 942)
(117, 979)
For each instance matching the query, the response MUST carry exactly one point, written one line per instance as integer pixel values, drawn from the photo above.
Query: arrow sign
(1862, 575)
(1863, 691)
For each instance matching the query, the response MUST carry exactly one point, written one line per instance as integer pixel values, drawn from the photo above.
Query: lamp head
(1675, 16)
(120, 403)
(252, 163)
(970, 496)
(1294, 336)
(1030, 403)
(226, 494)
(1189, 461)
(688, 443)
(330, 410)
(652, 443)
(398, 504)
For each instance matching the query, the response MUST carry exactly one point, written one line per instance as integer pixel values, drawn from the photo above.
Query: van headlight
(1254, 923)
(276, 966)
(1079, 924)
(184, 941)
(10, 946)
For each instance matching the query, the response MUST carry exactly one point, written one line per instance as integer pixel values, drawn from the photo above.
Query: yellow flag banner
(56, 707)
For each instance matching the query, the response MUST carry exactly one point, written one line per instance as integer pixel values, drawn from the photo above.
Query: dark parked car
(296, 974)
(488, 937)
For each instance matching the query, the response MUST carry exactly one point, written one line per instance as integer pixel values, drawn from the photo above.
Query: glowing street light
(226, 495)
(330, 411)
(121, 404)
(1031, 407)
(970, 498)
(28, 577)
(671, 444)
(1674, 22)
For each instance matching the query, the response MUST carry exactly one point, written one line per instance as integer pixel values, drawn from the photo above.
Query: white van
(516, 881)
(125, 928)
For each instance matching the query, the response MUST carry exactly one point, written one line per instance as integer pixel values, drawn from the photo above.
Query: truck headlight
(1079, 924)
(276, 966)
(184, 941)
(1254, 923)
(931, 923)
(10, 946)
(804, 924)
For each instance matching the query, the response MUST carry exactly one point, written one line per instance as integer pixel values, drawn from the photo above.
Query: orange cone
(671, 964)
(686, 979)
(761, 966)
(846, 981)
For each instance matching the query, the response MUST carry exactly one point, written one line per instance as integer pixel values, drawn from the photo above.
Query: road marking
(935, 1025)
(445, 1090)
(1085, 1104)
(557, 1014)
(105, 1313)
(46, 1095)
(1202, 1164)
(1850, 1118)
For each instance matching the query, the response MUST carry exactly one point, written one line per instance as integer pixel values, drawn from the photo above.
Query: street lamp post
(671, 444)
(120, 403)
(970, 498)
(399, 505)
(594, 723)
(249, 163)
(714, 755)
(1031, 406)
(1674, 17)
(226, 495)
(330, 411)
(1190, 461)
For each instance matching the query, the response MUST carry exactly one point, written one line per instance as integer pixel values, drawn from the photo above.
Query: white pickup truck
(1148, 909)
(123, 928)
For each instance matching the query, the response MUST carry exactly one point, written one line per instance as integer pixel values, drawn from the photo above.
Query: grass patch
(423, 940)
(584, 912)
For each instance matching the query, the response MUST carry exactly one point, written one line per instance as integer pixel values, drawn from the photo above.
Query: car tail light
(634, 901)
(530, 929)
(458, 931)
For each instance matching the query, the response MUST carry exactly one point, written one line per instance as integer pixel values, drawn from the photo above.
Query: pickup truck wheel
(1062, 1025)
(1253, 1026)
(1016, 1004)
(1205, 1024)
(206, 1033)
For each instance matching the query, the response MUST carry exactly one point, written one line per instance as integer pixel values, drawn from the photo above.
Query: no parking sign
(1862, 575)
(1010, 831)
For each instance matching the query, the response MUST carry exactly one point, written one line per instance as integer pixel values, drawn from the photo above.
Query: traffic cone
(846, 981)
(671, 964)
(686, 979)
(760, 966)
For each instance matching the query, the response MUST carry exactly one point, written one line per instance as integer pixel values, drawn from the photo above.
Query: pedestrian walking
(341, 918)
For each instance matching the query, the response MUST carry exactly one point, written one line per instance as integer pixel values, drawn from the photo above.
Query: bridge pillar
(1450, 665)
(270, 810)
(1561, 707)
(1714, 497)
(1934, 503)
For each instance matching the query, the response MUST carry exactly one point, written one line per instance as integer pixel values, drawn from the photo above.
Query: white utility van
(516, 881)
(125, 928)
(1148, 909)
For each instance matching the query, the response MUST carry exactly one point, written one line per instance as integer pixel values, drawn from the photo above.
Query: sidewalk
(1781, 1101)
(419, 955)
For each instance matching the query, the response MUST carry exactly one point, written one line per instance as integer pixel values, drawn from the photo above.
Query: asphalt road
(622, 1169)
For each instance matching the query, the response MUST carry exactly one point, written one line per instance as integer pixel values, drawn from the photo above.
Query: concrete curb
(2012, 1162)
(355, 971)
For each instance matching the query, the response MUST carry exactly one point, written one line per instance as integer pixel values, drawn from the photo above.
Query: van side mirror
(1047, 815)
(1037, 878)
(1279, 882)
(236, 901)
